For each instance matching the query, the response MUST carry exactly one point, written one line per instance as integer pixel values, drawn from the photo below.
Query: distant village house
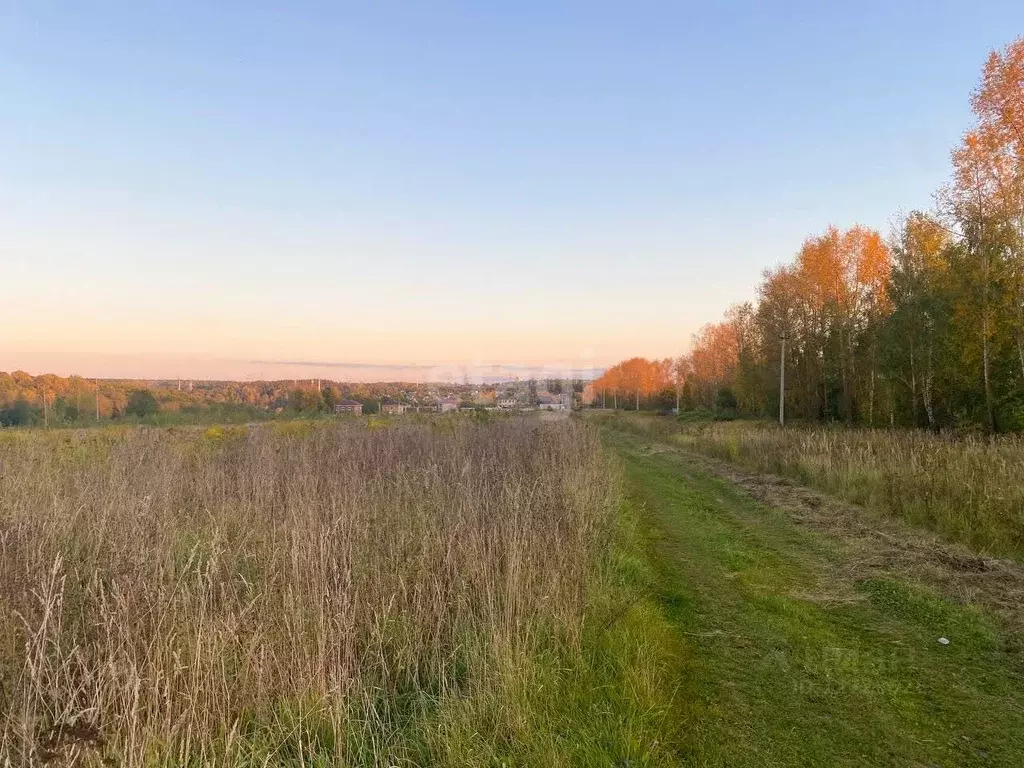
(448, 404)
(349, 406)
(548, 402)
(392, 407)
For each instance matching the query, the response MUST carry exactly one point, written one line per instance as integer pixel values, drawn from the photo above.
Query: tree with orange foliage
(713, 359)
(637, 376)
(818, 270)
(844, 277)
(867, 265)
(992, 165)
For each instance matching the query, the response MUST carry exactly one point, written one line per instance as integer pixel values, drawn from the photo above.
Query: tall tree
(917, 288)
(998, 104)
(970, 198)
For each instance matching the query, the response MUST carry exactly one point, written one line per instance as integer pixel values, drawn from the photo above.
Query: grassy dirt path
(794, 654)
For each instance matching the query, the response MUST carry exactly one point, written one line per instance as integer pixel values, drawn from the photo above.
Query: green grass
(608, 701)
(781, 664)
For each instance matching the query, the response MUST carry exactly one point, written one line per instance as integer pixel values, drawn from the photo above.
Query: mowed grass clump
(333, 596)
(967, 488)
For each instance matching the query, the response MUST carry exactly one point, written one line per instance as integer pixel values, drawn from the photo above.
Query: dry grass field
(967, 488)
(331, 594)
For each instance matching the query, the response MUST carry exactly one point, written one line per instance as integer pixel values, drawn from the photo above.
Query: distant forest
(922, 328)
(27, 400)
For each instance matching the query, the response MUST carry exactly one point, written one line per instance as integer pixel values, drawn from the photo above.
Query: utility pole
(97, 401)
(46, 419)
(782, 382)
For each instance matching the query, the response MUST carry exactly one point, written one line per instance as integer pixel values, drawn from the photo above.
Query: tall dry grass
(260, 597)
(967, 488)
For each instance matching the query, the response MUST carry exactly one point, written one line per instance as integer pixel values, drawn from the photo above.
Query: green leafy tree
(725, 399)
(331, 397)
(686, 401)
(304, 400)
(141, 403)
(20, 414)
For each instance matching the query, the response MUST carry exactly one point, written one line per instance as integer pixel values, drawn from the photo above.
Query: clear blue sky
(203, 190)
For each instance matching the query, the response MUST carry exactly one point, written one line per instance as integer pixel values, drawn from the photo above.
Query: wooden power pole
(782, 383)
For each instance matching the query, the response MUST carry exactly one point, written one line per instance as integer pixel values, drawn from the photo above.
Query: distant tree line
(922, 328)
(637, 384)
(27, 400)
